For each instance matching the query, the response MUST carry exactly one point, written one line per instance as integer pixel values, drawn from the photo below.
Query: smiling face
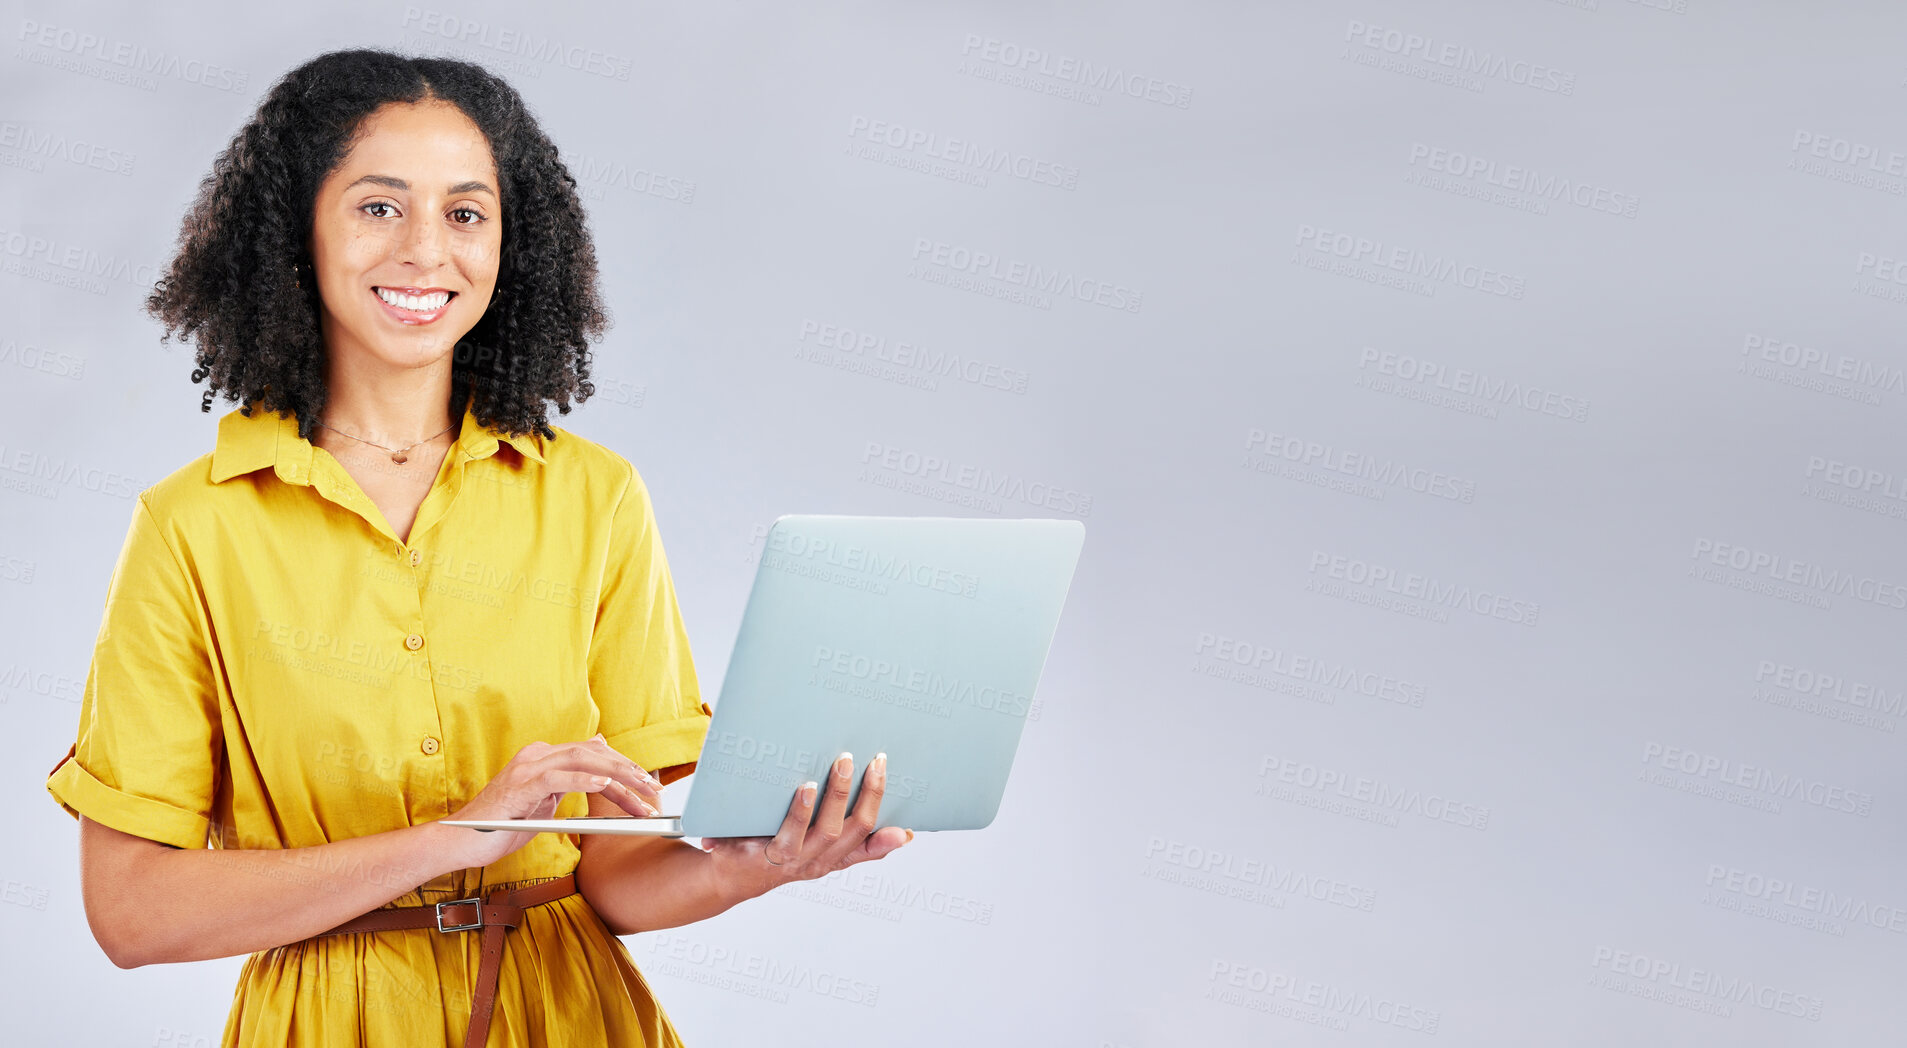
(406, 235)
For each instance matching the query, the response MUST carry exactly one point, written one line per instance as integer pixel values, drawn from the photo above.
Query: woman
(394, 594)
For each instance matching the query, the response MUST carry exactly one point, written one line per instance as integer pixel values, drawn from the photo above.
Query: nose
(421, 243)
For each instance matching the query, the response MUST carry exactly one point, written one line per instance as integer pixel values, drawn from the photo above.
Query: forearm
(638, 884)
(192, 905)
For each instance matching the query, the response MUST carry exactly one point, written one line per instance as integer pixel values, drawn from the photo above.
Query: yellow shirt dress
(276, 669)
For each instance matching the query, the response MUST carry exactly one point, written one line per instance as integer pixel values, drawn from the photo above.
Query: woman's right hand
(812, 843)
(534, 782)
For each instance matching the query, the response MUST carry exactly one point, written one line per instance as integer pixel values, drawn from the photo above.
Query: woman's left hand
(800, 851)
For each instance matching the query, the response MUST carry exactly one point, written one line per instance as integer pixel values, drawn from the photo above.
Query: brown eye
(381, 204)
(472, 220)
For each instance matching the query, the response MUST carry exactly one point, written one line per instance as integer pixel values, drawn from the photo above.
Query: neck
(392, 407)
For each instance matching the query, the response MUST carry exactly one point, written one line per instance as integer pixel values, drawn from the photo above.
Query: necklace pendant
(399, 456)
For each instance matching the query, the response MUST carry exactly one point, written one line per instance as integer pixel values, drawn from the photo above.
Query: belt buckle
(478, 923)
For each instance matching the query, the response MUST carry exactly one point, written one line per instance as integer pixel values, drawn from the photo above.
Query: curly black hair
(234, 286)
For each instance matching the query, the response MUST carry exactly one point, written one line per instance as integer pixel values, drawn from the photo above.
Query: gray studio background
(1485, 416)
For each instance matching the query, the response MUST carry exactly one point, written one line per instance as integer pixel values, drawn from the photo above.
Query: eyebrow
(472, 186)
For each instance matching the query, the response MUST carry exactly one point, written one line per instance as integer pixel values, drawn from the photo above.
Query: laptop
(920, 637)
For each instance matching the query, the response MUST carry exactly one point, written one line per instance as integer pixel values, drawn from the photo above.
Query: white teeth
(417, 303)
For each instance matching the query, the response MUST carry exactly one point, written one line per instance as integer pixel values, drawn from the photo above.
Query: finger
(834, 801)
(622, 794)
(787, 842)
(881, 843)
(578, 765)
(538, 797)
(867, 807)
(632, 785)
(532, 751)
(638, 777)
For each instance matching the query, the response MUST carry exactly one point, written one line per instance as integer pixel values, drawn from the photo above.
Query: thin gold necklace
(398, 455)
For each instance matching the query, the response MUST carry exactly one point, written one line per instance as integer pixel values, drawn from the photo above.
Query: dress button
(417, 557)
(413, 642)
(429, 745)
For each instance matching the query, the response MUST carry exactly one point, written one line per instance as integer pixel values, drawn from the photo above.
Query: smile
(414, 305)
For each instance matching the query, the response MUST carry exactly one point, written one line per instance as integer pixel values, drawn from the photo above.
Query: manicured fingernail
(910, 836)
(845, 756)
(600, 780)
(807, 792)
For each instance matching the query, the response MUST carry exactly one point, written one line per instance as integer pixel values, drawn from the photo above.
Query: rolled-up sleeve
(150, 739)
(641, 672)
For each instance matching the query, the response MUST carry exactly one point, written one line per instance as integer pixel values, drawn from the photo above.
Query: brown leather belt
(501, 911)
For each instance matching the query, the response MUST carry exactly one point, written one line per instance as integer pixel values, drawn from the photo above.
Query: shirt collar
(247, 444)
